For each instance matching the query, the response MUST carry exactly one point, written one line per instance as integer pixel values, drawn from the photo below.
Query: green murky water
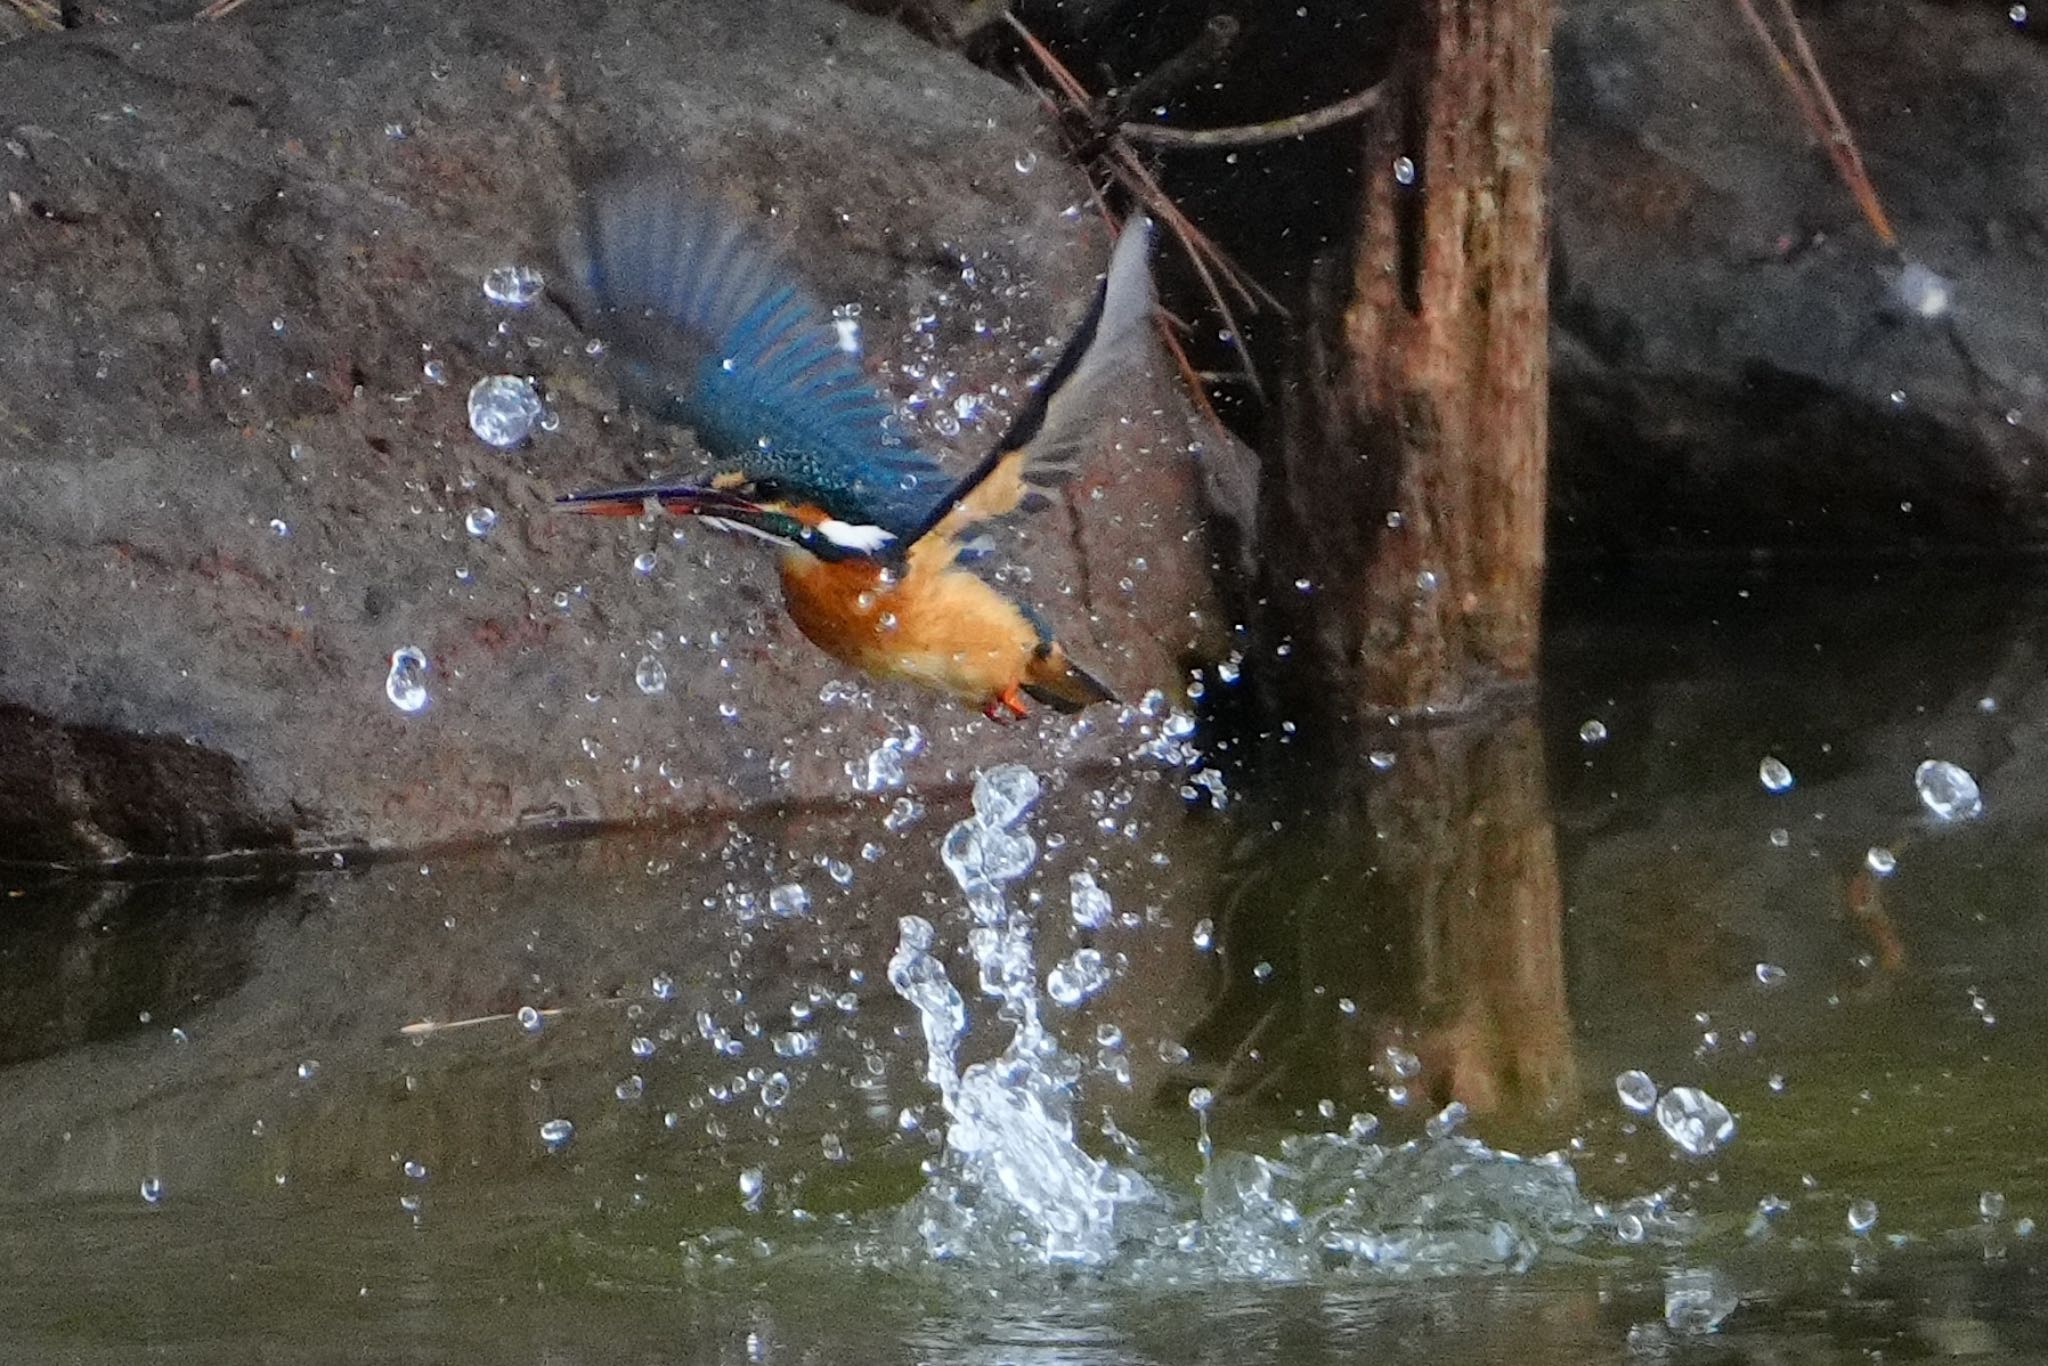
(1526, 913)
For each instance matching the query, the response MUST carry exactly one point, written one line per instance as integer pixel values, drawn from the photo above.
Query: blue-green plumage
(710, 331)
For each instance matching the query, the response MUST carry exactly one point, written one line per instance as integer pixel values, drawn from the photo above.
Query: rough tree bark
(1404, 510)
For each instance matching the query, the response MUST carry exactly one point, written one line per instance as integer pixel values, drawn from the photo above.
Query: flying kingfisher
(707, 328)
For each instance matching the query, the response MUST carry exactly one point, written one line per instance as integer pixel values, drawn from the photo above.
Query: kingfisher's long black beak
(683, 500)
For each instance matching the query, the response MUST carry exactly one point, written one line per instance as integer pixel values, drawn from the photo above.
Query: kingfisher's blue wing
(708, 327)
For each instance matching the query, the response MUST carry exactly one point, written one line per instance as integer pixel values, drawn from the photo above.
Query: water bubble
(1593, 732)
(1948, 790)
(1694, 1121)
(1200, 1099)
(1862, 1216)
(503, 409)
(904, 812)
(1204, 935)
(152, 1189)
(1404, 170)
(632, 1088)
(642, 1046)
(1636, 1091)
(480, 522)
(434, 372)
(1426, 582)
(1381, 759)
(406, 682)
(1773, 774)
(650, 675)
(529, 1019)
(2018, 15)
(644, 562)
(309, 1069)
(556, 1132)
(1769, 974)
(513, 286)
(414, 1171)
(1082, 975)
(774, 1089)
(663, 987)
(752, 1184)
(790, 899)
(1027, 161)
(1402, 1062)
(1881, 861)
(1091, 905)
(1991, 1206)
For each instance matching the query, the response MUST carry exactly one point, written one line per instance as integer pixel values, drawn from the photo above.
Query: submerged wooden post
(1404, 510)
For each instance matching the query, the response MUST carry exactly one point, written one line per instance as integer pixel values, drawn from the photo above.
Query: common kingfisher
(707, 328)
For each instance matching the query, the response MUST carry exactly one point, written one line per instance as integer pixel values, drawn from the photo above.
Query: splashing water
(1015, 1188)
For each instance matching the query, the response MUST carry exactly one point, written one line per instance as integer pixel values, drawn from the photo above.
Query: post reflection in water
(1393, 931)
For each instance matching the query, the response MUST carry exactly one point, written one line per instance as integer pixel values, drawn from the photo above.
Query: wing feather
(1044, 446)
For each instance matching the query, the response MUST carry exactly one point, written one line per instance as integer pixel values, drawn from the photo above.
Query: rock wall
(240, 310)
(1735, 365)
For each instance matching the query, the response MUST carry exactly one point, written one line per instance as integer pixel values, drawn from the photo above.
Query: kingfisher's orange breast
(946, 628)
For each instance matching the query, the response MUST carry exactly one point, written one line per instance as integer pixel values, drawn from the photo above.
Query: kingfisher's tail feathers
(709, 326)
(1045, 443)
(1057, 681)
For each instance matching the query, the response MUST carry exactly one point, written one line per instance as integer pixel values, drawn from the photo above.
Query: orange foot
(1008, 700)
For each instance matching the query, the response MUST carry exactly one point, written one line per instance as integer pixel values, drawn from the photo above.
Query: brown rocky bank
(228, 252)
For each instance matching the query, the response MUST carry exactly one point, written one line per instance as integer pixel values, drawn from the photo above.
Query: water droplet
(650, 675)
(2018, 15)
(1922, 291)
(1696, 1300)
(1636, 1090)
(1593, 732)
(556, 1132)
(1381, 759)
(1200, 1098)
(664, 987)
(1425, 582)
(644, 562)
(1090, 904)
(1991, 1206)
(1769, 974)
(1404, 170)
(752, 1183)
(279, 527)
(1694, 1121)
(1396, 520)
(152, 1189)
(1948, 791)
(1445, 1122)
(790, 899)
(1080, 976)
(530, 1019)
(729, 710)
(1204, 934)
(435, 372)
(774, 1090)
(406, 682)
(903, 813)
(1881, 860)
(632, 1088)
(513, 286)
(1402, 1062)
(503, 409)
(1773, 774)
(1862, 1216)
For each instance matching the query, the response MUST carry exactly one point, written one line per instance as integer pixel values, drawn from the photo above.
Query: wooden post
(1403, 522)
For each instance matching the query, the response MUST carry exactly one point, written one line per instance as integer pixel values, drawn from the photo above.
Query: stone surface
(227, 253)
(1733, 367)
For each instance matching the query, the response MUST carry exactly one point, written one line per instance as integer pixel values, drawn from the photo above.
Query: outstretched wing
(709, 328)
(1044, 445)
